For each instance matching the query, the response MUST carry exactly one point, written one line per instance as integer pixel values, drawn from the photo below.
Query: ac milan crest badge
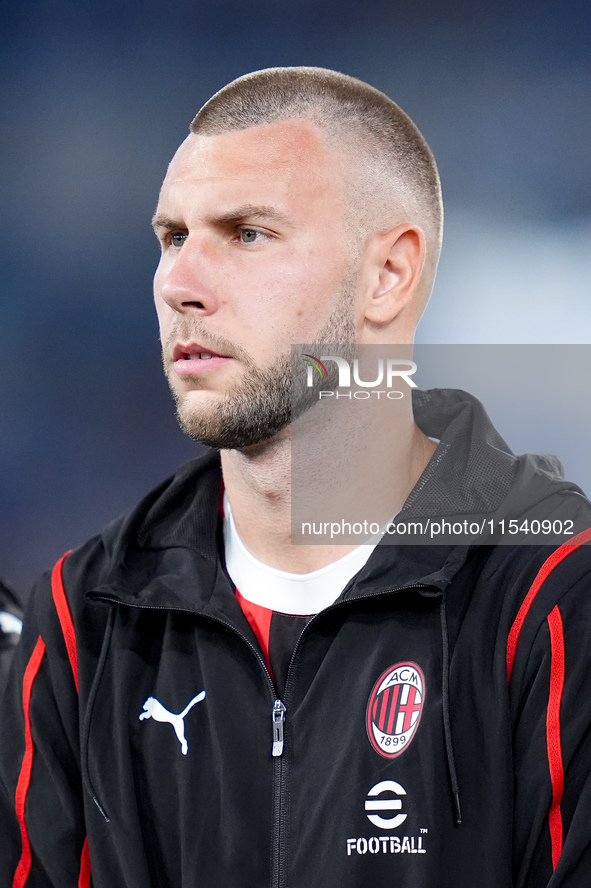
(394, 709)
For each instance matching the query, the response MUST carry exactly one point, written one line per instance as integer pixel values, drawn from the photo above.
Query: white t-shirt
(279, 590)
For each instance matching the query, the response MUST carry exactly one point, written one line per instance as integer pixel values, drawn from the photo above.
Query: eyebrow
(159, 220)
(252, 211)
(237, 214)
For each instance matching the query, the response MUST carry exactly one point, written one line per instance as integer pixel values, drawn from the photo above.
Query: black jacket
(436, 721)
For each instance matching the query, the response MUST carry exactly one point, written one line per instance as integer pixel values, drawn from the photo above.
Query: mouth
(189, 359)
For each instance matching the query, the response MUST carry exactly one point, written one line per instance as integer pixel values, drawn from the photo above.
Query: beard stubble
(263, 403)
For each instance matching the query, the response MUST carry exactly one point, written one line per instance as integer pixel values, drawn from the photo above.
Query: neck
(257, 480)
(359, 464)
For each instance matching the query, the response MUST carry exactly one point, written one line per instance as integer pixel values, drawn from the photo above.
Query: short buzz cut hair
(395, 164)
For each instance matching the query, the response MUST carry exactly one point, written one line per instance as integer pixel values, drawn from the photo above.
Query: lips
(191, 358)
(194, 351)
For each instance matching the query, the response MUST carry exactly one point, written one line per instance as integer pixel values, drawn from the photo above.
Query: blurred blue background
(95, 98)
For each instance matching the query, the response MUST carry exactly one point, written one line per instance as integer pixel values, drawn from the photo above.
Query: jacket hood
(473, 471)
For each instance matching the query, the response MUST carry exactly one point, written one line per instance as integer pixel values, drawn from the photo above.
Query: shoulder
(176, 513)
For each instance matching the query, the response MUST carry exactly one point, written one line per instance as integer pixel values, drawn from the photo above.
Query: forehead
(284, 161)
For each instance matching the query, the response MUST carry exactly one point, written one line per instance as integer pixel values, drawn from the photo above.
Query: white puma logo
(154, 709)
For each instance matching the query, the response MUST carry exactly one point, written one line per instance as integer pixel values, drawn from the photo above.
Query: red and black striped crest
(394, 709)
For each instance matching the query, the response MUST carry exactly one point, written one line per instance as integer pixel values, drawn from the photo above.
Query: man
(10, 628)
(202, 703)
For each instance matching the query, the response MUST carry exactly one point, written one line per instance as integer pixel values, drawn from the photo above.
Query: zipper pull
(278, 719)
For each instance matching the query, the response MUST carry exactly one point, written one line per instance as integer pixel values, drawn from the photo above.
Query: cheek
(314, 289)
(300, 287)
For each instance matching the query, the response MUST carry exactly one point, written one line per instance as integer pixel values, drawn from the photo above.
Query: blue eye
(249, 235)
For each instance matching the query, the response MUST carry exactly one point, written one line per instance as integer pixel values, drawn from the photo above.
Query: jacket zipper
(278, 714)
(278, 719)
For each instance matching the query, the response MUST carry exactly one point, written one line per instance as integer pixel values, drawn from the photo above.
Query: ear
(397, 262)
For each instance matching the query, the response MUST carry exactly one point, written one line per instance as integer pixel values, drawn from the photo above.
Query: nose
(184, 279)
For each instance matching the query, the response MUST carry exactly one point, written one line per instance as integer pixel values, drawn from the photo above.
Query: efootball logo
(394, 709)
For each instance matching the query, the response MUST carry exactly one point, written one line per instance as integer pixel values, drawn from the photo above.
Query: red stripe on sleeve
(84, 877)
(24, 865)
(553, 731)
(67, 625)
(65, 617)
(546, 569)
